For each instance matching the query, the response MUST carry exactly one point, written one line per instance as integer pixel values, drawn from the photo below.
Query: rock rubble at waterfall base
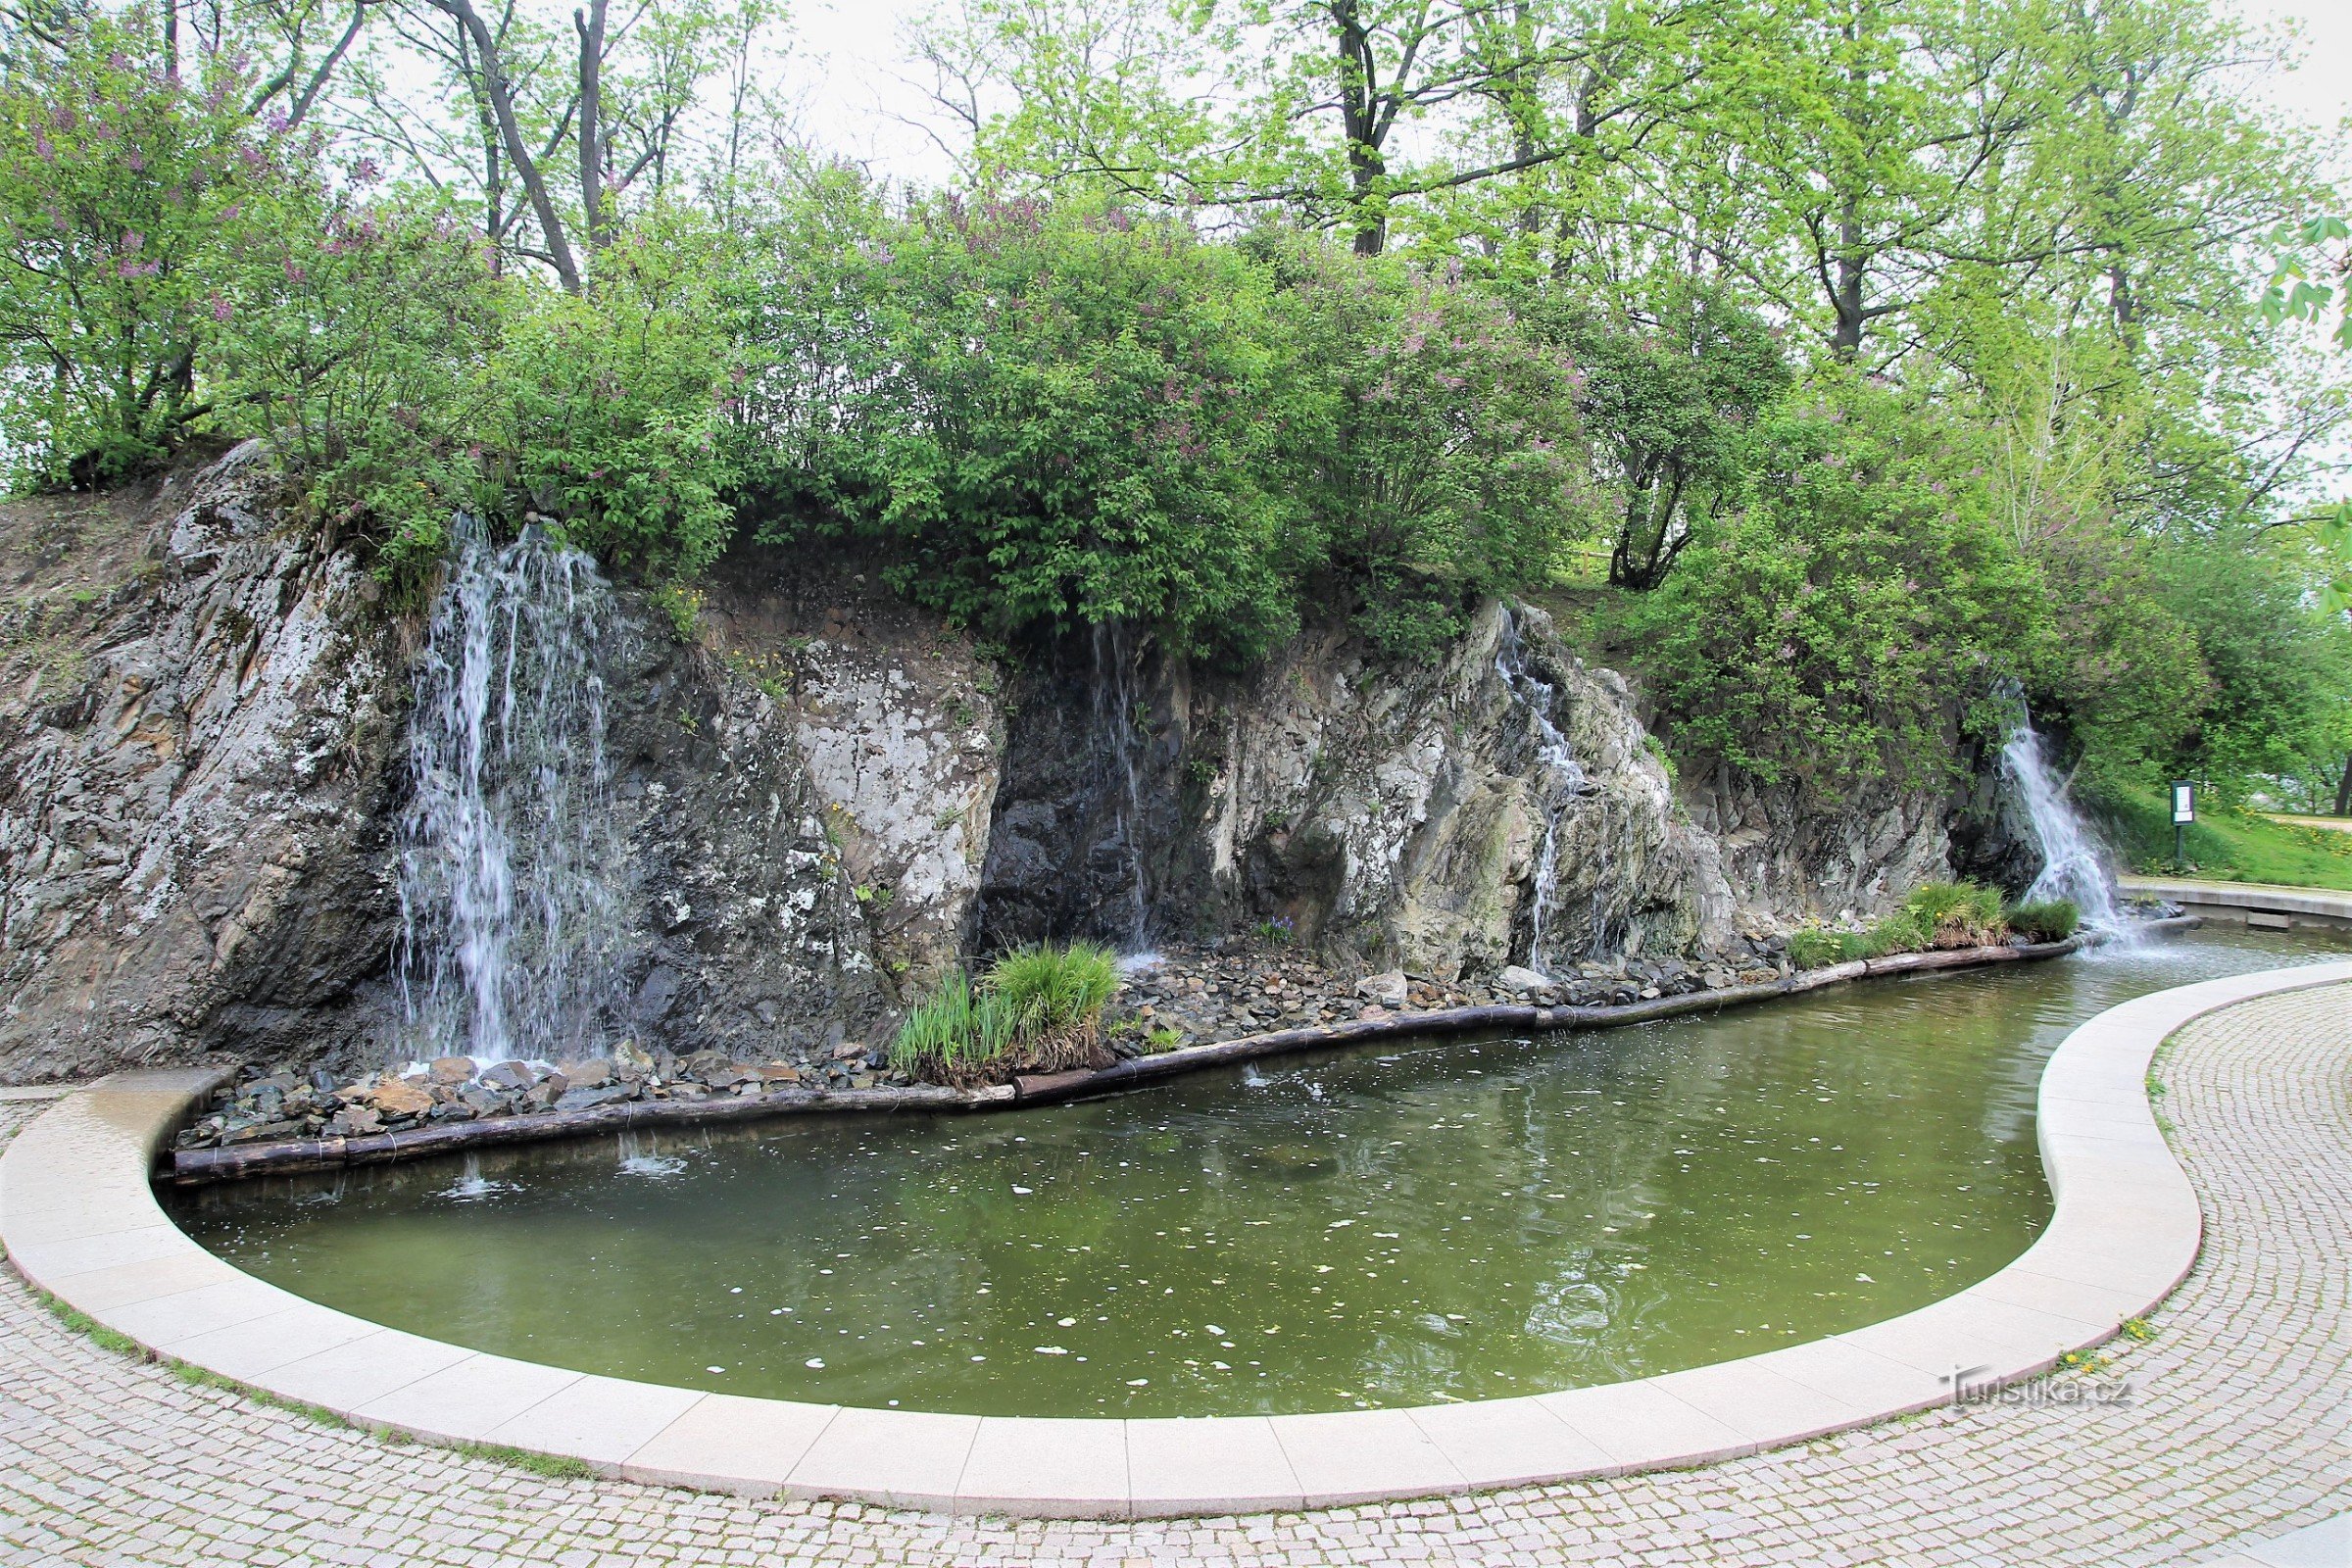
(267, 1106)
(1189, 997)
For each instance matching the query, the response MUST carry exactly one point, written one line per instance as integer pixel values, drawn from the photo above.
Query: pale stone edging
(79, 1220)
(2323, 908)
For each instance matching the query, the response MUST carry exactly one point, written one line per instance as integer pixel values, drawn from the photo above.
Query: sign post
(2185, 811)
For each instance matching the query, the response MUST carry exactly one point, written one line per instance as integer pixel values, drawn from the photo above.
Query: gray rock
(514, 1075)
(590, 1099)
(1384, 990)
(1518, 978)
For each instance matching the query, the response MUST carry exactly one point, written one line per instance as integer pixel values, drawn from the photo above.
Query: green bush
(354, 336)
(1899, 932)
(1845, 606)
(2045, 920)
(611, 410)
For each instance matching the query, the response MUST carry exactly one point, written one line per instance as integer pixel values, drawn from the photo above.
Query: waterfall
(1119, 744)
(2072, 864)
(507, 858)
(1559, 774)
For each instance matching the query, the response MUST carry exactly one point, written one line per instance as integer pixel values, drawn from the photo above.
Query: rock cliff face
(193, 789)
(823, 798)
(203, 766)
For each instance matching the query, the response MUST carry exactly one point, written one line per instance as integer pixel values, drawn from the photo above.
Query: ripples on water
(1457, 1220)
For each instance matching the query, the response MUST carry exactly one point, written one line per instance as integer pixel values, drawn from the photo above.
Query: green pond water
(1392, 1226)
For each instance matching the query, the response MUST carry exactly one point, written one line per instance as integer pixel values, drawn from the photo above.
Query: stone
(354, 1121)
(1383, 990)
(590, 1098)
(778, 1072)
(514, 1075)
(451, 1070)
(1519, 978)
(593, 1073)
(396, 1097)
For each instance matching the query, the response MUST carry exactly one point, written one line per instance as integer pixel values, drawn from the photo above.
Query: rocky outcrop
(896, 719)
(193, 828)
(1343, 801)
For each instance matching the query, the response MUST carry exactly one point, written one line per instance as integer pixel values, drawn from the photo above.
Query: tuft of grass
(2138, 1330)
(1052, 990)
(90, 1328)
(2047, 920)
(959, 1035)
(1037, 1010)
(1817, 946)
(554, 1466)
(1956, 914)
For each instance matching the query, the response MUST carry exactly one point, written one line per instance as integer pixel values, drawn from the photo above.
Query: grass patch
(2228, 846)
(1037, 1010)
(1935, 914)
(554, 1466)
(2046, 919)
(90, 1328)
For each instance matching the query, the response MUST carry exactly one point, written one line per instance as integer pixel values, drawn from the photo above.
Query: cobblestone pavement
(2242, 1420)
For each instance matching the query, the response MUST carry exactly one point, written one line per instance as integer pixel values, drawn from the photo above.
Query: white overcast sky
(853, 77)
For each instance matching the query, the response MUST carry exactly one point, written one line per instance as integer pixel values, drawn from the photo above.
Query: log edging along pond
(190, 1167)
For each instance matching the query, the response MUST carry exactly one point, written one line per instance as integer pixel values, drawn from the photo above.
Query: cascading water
(2073, 866)
(1561, 774)
(506, 852)
(1119, 744)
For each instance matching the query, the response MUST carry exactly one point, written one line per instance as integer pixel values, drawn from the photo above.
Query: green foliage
(963, 1032)
(1855, 606)
(352, 335)
(611, 408)
(2046, 920)
(1054, 417)
(1444, 461)
(2224, 844)
(1816, 946)
(1669, 402)
(118, 183)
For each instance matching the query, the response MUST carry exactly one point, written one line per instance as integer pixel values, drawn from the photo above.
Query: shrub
(611, 406)
(118, 181)
(353, 337)
(1849, 599)
(2046, 920)
(1054, 418)
(1442, 457)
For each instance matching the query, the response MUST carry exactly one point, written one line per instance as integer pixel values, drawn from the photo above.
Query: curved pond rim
(195, 1167)
(79, 1220)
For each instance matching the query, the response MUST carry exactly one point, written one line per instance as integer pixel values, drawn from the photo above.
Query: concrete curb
(79, 1220)
(2255, 904)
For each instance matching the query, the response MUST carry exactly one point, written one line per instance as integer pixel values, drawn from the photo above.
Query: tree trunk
(591, 27)
(526, 167)
(2343, 791)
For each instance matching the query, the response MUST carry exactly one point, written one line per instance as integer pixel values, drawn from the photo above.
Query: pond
(1392, 1226)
